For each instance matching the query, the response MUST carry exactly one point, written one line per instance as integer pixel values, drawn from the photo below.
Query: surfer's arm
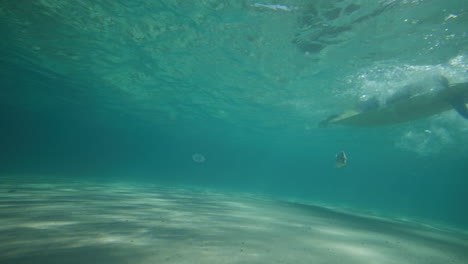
(460, 106)
(458, 97)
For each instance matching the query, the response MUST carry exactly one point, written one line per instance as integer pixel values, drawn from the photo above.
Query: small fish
(340, 159)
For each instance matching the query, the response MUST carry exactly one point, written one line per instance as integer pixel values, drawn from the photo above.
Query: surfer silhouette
(412, 102)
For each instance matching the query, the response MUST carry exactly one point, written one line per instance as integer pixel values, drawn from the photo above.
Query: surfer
(410, 103)
(340, 159)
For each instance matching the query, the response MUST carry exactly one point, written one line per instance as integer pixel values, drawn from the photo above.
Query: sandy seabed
(85, 222)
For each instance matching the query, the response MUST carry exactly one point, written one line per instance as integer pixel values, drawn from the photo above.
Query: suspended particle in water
(450, 16)
(198, 158)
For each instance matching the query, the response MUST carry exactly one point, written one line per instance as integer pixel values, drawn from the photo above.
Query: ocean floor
(86, 222)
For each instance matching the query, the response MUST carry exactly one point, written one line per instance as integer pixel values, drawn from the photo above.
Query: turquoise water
(131, 90)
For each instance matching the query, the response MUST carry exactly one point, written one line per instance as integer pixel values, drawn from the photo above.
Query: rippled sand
(65, 222)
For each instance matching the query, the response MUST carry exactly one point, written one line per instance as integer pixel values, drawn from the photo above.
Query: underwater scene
(234, 131)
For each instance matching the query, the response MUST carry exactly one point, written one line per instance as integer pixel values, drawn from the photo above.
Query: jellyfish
(198, 158)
